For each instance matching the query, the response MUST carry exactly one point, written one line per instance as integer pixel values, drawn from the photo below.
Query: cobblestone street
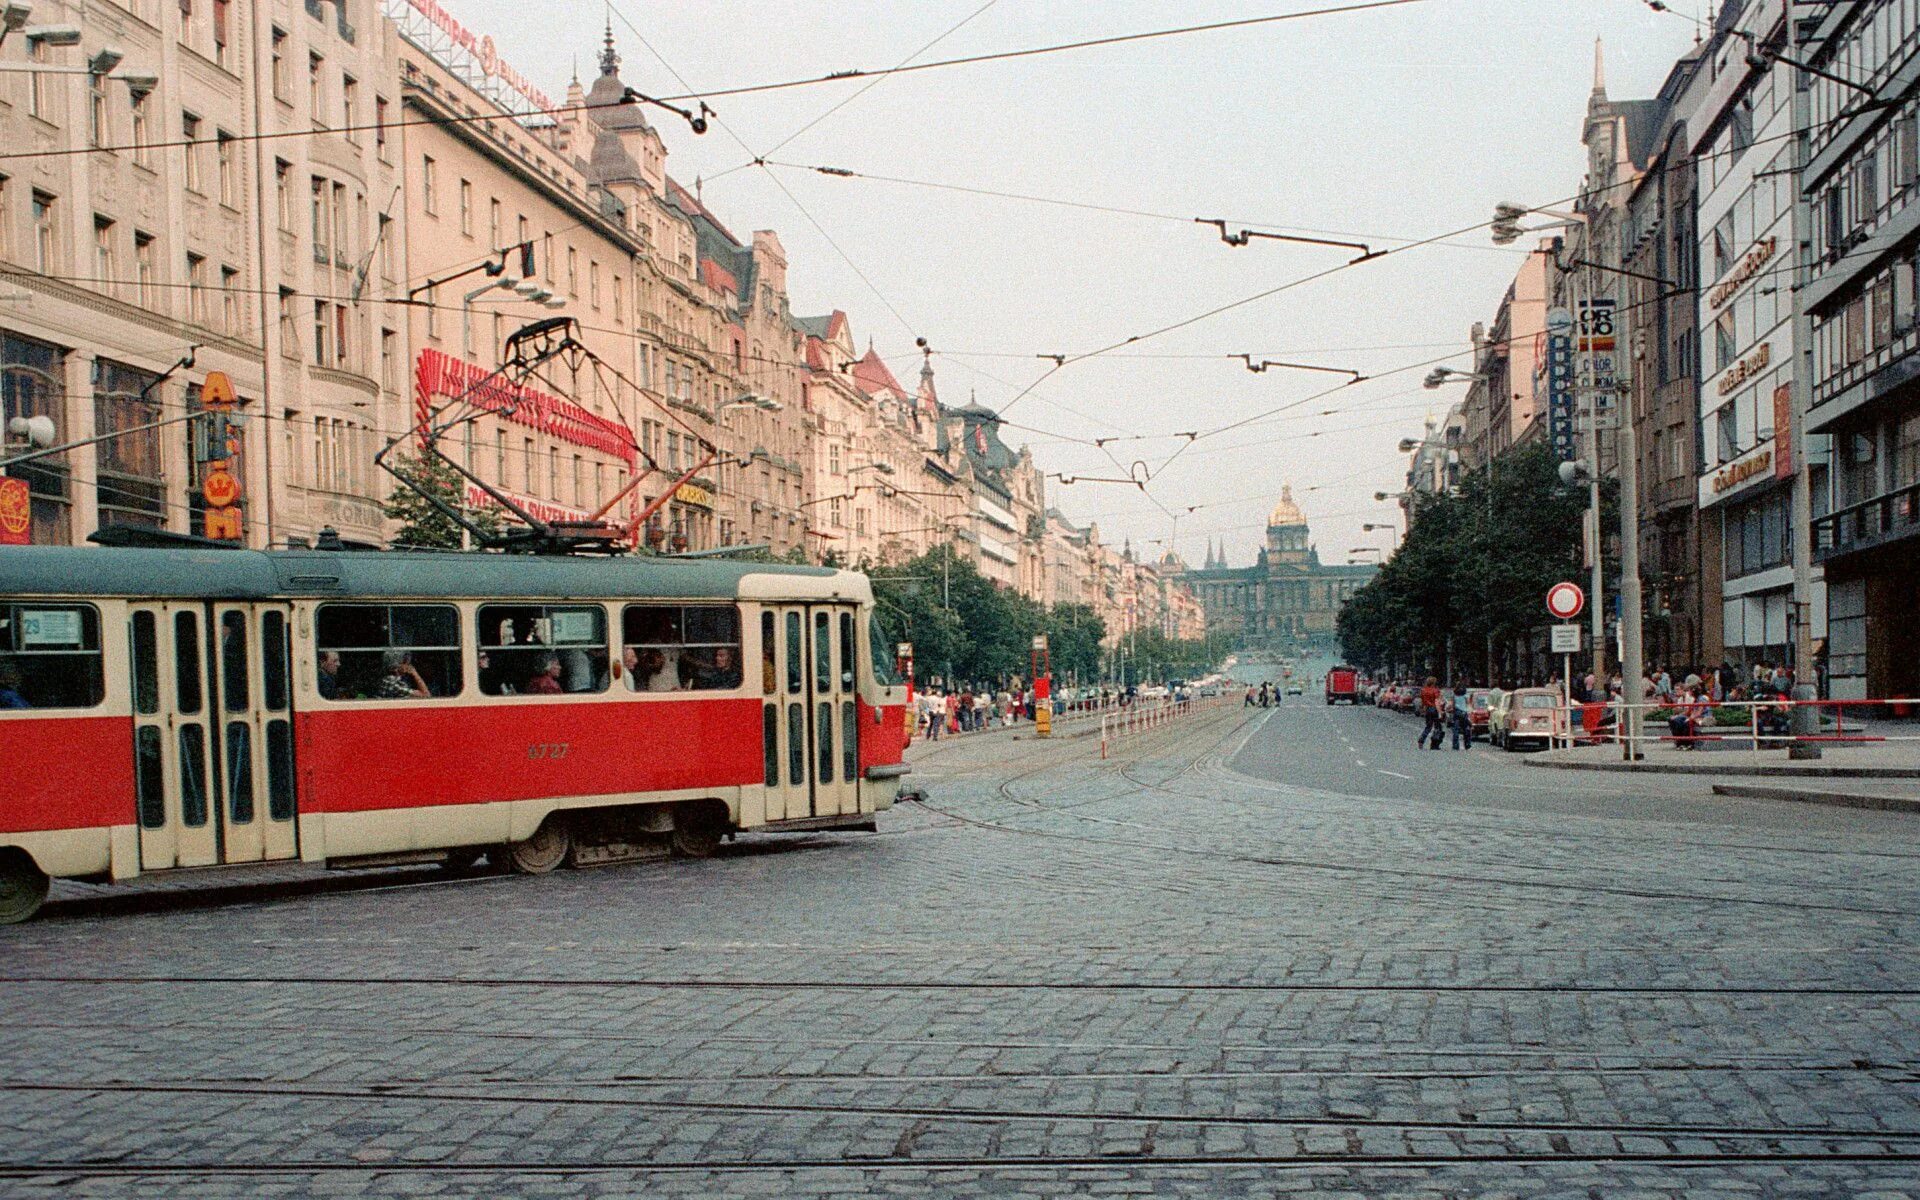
(1257, 953)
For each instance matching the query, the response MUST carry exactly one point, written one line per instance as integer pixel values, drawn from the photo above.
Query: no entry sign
(1565, 600)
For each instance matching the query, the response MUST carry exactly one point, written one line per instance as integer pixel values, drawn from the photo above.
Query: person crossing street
(1433, 730)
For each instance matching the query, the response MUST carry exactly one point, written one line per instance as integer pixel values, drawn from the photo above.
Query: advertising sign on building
(1560, 417)
(1600, 367)
(16, 512)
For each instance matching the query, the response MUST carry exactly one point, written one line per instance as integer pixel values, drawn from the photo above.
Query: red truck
(1343, 683)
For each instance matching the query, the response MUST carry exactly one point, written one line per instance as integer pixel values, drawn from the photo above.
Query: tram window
(186, 660)
(542, 649)
(233, 661)
(273, 661)
(770, 742)
(280, 770)
(796, 745)
(822, 653)
(880, 650)
(50, 656)
(794, 630)
(388, 651)
(823, 728)
(193, 775)
(146, 664)
(846, 651)
(681, 647)
(150, 786)
(239, 772)
(769, 669)
(849, 741)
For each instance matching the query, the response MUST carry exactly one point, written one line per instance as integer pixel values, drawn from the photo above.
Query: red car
(1479, 708)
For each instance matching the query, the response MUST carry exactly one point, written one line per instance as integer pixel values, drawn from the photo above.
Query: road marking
(1395, 774)
(1359, 762)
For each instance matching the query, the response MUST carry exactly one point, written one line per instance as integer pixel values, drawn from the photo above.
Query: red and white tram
(179, 708)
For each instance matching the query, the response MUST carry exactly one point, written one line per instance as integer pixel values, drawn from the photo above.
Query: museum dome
(1286, 512)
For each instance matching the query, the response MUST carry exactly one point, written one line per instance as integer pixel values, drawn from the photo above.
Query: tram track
(878, 1164)
(971, 1114)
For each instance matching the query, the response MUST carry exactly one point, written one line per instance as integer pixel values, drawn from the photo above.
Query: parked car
(1532, 716)
(1480, 708)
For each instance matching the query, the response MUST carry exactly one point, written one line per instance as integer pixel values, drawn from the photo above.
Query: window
(593, 286)
(96, 110)
(197, 288)
(466, 207)
(316, 91)
(390, 369)
(493, 224)
(231, 313)
(36, 81)
(223, 144)
(103, 258)
(142, 142)
(44, 249)
(190, 134)
(573, 271)
(220, 35)
(143, 270)
(388, 651)
(426, 184)
(880, 652)
(676, 647)
(380, 127)
(1725, 347)
(50, 656)
(349, 107)
(278, 39)
(532, 649)
(289, 327)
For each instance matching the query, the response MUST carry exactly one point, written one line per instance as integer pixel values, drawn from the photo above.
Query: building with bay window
(1861, 180)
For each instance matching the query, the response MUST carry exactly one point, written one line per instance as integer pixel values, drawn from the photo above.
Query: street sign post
(1564, 602)
(1042, 687)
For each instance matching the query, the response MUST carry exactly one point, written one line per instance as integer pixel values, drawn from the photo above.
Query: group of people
(1265, 696)
(1442, 712)
(968, 709)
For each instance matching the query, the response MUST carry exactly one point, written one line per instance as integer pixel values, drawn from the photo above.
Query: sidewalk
(1877, 760)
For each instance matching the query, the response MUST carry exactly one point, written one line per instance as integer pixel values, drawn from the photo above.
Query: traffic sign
(1566, 639)
(1565, 600)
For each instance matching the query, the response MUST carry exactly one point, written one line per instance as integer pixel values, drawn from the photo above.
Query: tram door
(212, 734)
(809, 722)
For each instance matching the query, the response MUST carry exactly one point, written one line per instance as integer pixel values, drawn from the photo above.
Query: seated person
(716, 669)
(399, 680)
(654, 673)
(10, 695)
(329, 681)
(545, 680)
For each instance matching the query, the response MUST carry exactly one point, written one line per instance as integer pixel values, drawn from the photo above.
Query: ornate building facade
(1288, 600)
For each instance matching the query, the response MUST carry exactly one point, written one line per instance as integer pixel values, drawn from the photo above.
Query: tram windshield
(880, 650)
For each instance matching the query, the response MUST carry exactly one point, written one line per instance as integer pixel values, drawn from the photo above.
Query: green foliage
(1474, 565)
(963, 626)
(423, 525)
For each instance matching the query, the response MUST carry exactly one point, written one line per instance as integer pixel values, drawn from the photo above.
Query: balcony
(1871, 523)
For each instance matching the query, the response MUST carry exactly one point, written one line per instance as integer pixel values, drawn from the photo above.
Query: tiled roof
(718, 277)
(873, 376)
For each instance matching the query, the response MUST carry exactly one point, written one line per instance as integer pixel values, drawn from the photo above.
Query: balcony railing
(1869, 523)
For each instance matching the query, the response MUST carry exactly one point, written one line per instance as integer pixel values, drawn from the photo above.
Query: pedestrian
(1462, 718)
(1430, 714)
(1248, 702)
(1684, 723)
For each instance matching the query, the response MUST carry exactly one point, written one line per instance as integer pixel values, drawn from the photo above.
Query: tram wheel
(696, 832)
(542, 852)
(23, 885)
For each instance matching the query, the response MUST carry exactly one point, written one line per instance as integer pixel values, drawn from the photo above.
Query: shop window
(680, 647)
(388, 651)
(50, 656)
(536, 649)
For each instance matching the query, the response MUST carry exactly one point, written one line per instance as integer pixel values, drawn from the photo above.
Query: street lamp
(1440, 375)
(878, 468)
(750, 400)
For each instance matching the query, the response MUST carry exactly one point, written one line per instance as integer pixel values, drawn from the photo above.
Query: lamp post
(1626, 449)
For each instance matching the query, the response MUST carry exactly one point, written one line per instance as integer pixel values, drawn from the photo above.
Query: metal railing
(1868, 522)
(1765, 724)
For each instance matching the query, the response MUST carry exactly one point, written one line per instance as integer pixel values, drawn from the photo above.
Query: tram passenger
(577, 672)
(656, 673)
(329, 681)
(545, 680)
(717, 671)
(10, 695)
(399, 680)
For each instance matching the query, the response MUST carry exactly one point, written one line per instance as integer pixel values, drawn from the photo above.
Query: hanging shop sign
(16, 512)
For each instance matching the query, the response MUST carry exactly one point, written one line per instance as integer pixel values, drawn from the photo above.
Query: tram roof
(267, 574)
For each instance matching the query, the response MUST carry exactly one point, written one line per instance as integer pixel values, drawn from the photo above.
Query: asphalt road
(1241, 956)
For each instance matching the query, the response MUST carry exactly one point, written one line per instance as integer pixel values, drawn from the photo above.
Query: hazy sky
(1401, 123)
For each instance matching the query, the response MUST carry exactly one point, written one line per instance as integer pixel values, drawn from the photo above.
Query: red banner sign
(439, 377)
(16, 512)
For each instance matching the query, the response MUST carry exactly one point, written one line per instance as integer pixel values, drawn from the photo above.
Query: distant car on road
(1480, 709)
(1294, 689)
